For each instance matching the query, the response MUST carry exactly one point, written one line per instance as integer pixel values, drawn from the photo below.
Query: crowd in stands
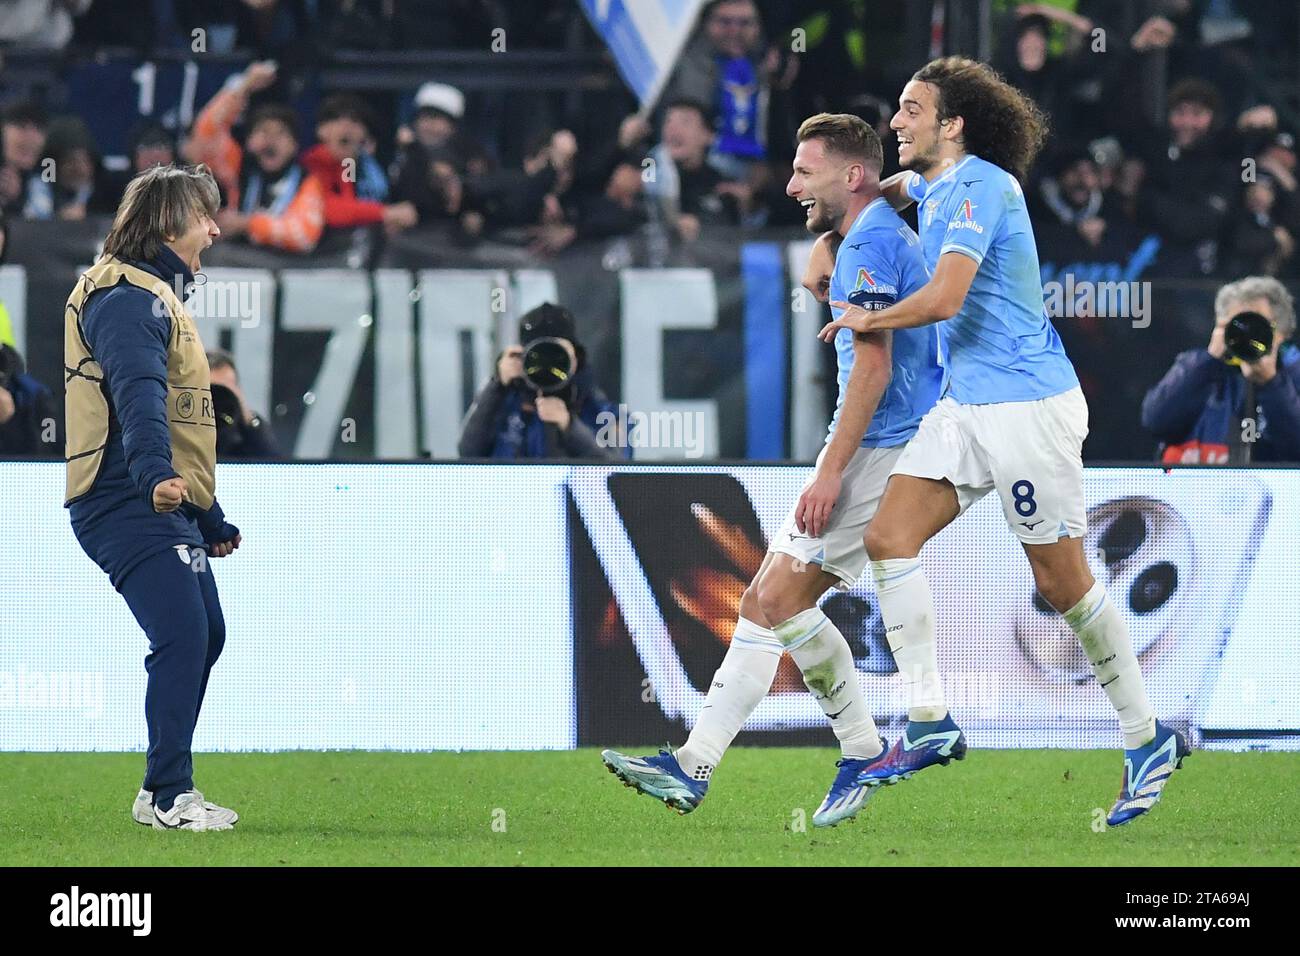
(1208, 191)
(713, 152)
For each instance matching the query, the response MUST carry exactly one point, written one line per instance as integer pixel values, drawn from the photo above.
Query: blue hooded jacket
(115, 522)
(1196, 406)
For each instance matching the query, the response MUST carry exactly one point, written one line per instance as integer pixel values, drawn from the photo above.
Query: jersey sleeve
(975, 214)
(915, 186)
(870, 273)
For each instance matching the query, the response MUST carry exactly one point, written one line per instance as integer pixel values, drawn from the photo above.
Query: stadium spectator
(1197, 410)
(343, 163)
(241, 432)
(1277, 160)
(26, 407)
(1259, 241)
(431, 182)
(686, 189)
(1188, 191)
(435, 162)
(270, 199)
(1075, 220)
(270, 28)
(1024, 57)
(617, 210)
(531, 194)
(39, 23)
(22, 130)
(77, 185)
(439, 109)
(724, 67)
(510, 419)
(150, 144)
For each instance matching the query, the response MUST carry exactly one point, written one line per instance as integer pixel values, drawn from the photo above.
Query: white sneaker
(142, 809)
(191, 812)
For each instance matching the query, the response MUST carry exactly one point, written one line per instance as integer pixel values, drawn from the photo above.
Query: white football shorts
(1030, 452)
(841, 549)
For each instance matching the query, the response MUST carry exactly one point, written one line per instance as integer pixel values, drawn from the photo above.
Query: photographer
(512, 417)
(241, 432)
(1214, 406)
(25, 405)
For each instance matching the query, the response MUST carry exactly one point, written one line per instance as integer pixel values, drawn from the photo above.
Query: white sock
(1104, 636)
(740, 684)
(908, 612)
(823, 656)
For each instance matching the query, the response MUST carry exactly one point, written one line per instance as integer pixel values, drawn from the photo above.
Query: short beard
(826, 219)
(924, 162)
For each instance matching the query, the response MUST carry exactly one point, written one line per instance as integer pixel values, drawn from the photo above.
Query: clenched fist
(168, 495)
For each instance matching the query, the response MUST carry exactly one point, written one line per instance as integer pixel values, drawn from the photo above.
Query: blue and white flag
(645, 36)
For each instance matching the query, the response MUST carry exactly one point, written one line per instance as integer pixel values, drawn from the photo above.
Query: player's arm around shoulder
(938, 300)
(897, 189)
(821, 265)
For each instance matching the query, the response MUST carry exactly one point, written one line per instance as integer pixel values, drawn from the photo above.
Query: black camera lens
(547, 365)
(1248, 336)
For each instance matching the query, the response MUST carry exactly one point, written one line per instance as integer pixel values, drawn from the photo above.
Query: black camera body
(1248, 337)
(548, 365)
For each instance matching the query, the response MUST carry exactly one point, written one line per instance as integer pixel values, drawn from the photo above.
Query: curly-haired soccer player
(1013, 419)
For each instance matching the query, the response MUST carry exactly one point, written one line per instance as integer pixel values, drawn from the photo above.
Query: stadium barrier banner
(449, 606)
(351, 362)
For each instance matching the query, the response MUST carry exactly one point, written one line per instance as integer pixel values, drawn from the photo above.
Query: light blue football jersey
(878, 263)
(1001, 346)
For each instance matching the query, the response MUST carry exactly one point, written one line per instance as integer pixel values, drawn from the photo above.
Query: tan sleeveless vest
(190, 417)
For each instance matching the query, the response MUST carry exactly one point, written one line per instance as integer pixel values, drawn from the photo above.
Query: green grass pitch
(537, 809)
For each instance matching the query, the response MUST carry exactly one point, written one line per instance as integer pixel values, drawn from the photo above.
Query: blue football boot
(846, 796)
(660, 777)
(1146, 771)
(923, 744)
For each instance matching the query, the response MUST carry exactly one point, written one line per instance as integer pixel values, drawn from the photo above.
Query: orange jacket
(298, 228)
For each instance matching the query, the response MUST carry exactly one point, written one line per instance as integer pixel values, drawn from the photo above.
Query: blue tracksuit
(1193, 409)
(152, 559)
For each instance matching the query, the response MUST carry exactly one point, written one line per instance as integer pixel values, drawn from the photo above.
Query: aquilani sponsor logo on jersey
(78, 909)
(965, 218)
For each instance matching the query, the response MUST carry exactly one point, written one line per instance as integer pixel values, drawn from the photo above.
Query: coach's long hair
(159, 205)
(1002, 125)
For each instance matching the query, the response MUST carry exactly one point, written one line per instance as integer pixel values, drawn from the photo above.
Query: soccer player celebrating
(1013, 418)
(887, 382)
(141, 458)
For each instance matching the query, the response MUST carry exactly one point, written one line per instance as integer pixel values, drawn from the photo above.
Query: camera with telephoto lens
(548, 365)
(1248, 337)
(551, 351)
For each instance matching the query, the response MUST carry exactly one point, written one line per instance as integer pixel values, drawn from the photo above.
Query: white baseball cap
(441, 96)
